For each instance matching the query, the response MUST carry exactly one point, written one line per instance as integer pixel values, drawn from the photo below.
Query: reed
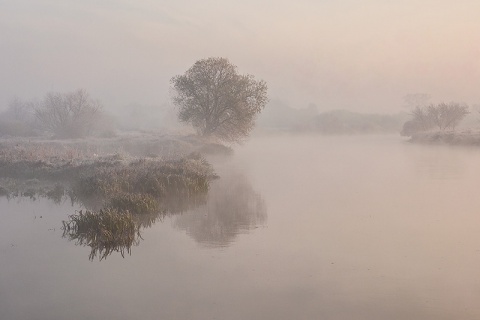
(106, 231)
(135, 203)
(159, 179)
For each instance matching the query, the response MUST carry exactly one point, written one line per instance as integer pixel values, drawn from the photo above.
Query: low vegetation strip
(464, 138)
(143, 181)
(134, 185)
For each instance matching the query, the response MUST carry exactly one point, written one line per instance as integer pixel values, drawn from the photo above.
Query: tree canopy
(218, 101)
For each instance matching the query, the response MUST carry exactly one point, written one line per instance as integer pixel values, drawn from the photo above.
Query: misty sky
(357, 55)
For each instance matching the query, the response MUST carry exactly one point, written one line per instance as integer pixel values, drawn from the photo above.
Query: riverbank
(39, 167)
(454, 138)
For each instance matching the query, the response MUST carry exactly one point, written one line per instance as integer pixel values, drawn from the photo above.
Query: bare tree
(68, 115)
(423, 118)
(218, 101)
(442, 116)
(447, 115)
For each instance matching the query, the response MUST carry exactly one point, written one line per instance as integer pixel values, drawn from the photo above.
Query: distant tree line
(280, 117)
(441, 116)
(346, 122)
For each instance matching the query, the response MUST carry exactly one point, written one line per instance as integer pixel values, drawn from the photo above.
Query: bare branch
(68, 115)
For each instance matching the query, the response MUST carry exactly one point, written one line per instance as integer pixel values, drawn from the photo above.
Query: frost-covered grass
(135, 144)
(139, 185)
(67, 161)
(157, 178)
(143, 186)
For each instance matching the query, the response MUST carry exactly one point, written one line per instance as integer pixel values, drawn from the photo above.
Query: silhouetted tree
(218, 101)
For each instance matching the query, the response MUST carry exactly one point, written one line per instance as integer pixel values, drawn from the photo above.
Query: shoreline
(451, 138)
(42, 167)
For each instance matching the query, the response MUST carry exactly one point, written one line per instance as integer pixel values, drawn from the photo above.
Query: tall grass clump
(105, 231)
(134, 185)
(135, 203)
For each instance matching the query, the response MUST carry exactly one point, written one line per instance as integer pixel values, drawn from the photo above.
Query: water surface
(297, 228)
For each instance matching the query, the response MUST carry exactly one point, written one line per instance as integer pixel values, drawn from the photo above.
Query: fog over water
(354, 227)
(356, 55)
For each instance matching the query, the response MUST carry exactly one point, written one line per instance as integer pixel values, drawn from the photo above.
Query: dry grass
(136, 185)
(105, 232)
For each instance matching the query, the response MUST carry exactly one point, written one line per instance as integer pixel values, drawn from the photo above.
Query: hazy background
(363, 56)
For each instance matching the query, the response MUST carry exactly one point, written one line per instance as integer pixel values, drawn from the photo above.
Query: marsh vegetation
(106, 231)
(121, 192)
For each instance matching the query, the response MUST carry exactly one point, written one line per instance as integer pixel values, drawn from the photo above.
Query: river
(302, 227)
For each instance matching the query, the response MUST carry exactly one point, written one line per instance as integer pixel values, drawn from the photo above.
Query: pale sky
(358, 55)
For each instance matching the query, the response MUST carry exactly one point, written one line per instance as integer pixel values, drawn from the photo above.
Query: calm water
(297, 228)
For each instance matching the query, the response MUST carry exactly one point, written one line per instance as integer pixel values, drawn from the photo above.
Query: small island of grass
(123, 184)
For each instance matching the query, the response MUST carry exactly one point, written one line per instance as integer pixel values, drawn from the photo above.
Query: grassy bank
(52, 162)
(454, 138)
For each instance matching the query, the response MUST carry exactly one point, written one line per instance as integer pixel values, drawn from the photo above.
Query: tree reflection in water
(233, 207)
